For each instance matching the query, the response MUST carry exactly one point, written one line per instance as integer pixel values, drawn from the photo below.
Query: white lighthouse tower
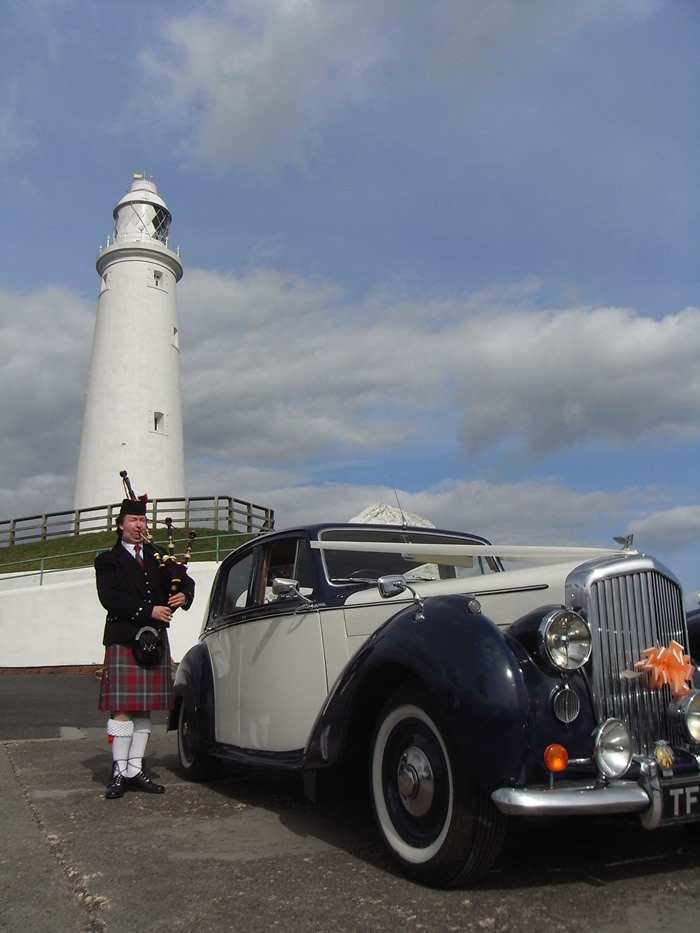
(133, 411)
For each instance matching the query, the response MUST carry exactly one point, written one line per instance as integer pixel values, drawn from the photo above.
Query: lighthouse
(133, 409)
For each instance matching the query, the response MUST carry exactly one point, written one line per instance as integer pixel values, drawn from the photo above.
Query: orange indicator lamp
(556, 757)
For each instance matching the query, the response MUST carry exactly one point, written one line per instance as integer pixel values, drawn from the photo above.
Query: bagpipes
(176, 571)
(173, 572)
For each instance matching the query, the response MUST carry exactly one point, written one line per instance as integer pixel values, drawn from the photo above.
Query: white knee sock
(139, 741)
(120, 733)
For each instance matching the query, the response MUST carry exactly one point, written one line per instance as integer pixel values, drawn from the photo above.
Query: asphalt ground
(248, 852)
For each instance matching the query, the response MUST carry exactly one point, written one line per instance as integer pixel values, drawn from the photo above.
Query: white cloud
(557, 379)
(672, 529)
(252, 80)
(257, 82)
(289, 368)
(510, 513)
(35, 494)
(46, 339)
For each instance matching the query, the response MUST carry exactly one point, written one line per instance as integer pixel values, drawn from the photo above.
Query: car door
(223, 637)
(281, 663)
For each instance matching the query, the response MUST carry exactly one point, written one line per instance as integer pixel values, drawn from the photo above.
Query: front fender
(194, 681)
(465, 663)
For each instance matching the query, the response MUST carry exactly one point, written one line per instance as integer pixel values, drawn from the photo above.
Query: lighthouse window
(156, 278)
(175, 341)
(161, 224)
(158, 421)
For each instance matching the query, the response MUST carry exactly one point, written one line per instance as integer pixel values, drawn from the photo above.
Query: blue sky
(451, 243)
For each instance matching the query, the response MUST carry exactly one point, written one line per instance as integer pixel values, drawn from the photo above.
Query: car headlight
(613, 748)
(686, 711)
(565, 638)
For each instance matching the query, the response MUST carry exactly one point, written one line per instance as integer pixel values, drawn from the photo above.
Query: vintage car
(472, 682)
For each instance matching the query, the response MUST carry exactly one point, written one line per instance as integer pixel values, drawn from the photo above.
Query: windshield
(345, 566)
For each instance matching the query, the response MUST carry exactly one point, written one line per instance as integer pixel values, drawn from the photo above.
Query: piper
(136, 676)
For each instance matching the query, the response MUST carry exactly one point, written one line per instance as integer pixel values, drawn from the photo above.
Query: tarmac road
(248, 852)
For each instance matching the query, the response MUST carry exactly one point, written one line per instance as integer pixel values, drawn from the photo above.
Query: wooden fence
(216, 513)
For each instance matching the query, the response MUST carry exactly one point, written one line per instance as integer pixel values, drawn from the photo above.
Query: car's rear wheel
(197, 765)
(438, 824)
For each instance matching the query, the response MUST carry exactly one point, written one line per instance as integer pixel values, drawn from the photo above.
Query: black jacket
(129, 592)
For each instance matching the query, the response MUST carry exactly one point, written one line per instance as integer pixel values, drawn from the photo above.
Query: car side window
(234, 592)
(289, 560)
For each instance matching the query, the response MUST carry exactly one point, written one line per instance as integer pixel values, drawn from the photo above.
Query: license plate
(681, 800)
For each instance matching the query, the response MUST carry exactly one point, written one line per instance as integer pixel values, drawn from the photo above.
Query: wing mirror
(393, 584)
(285, 588)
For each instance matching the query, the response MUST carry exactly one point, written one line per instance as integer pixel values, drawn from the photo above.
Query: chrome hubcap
(414, 779)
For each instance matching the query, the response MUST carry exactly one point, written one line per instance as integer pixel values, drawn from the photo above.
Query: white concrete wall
(61, 621)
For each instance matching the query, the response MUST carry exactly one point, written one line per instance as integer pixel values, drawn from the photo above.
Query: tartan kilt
(127, 687)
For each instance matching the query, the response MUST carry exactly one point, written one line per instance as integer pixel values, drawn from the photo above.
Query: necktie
(137, 552)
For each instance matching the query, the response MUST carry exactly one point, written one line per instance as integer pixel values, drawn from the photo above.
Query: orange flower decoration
(668, 666)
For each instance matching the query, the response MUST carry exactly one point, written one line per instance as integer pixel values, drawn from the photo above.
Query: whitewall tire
(437, 823)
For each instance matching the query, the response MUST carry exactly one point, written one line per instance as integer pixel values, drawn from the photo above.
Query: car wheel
(438, 824)
(197, 765)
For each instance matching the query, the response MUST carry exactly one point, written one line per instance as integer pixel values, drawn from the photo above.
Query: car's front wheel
(197, 765)
(437, 823)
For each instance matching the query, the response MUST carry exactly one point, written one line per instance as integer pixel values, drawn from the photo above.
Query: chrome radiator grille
(629, 612)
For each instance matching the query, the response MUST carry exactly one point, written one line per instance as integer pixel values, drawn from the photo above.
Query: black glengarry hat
(132, 507)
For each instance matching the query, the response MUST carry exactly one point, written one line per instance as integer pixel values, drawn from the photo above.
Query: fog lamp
(556, 757)
(613, 748)
(686, 712)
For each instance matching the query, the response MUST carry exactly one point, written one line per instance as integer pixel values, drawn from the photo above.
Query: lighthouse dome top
(141, 214)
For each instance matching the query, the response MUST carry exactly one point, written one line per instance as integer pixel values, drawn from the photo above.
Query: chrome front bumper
(572, 798)
(658, 800)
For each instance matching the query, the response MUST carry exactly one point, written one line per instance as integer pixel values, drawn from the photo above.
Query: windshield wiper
(353, 579)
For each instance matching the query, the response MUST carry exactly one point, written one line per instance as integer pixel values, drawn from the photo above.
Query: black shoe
(141, 782)
(117, 785)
